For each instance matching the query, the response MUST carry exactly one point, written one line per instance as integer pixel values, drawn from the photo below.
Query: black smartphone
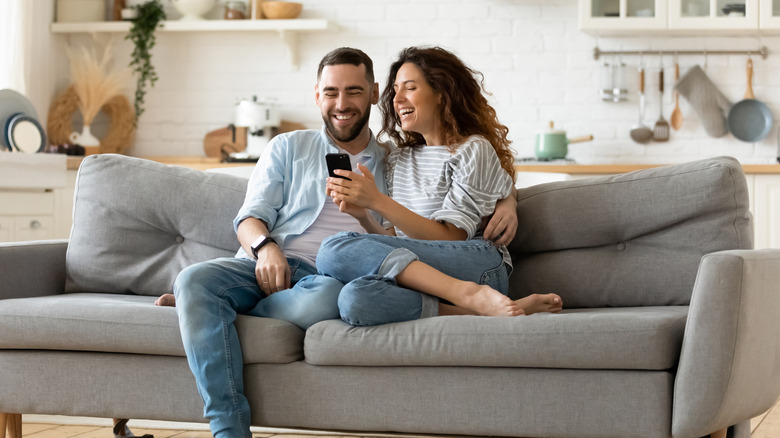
(337, 161)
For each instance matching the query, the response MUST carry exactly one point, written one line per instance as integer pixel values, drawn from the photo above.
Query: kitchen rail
(762, 51)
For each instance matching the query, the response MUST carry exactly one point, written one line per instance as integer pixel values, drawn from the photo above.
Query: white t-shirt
(329, 222)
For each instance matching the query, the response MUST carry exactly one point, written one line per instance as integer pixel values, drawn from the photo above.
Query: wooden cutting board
(222, 141)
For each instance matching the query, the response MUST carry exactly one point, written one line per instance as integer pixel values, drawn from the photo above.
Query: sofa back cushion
(137, 223)
(629, 240)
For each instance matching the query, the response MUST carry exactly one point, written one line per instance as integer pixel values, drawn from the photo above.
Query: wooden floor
(763, 426)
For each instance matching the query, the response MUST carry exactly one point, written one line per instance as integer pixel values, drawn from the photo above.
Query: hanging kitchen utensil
(661, 129)
(749, 120)
(676, 118)
(641, 133)
(709, 104)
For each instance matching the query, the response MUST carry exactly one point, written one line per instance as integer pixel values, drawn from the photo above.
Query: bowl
(281, 10)
(193, 10)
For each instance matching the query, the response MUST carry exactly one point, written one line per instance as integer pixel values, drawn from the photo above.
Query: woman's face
(417, 104)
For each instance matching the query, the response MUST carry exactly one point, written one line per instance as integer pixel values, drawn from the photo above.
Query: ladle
(641, 133)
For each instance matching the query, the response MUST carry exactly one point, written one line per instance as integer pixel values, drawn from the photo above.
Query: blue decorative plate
(12, 103)
(24, 134)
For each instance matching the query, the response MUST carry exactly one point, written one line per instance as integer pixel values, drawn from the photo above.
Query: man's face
(345, 98)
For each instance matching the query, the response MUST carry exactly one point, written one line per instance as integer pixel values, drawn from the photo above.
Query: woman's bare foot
(535, 303)
(486, 301)
(166, 300)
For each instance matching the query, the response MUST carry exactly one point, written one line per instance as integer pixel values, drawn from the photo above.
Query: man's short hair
(348, 55)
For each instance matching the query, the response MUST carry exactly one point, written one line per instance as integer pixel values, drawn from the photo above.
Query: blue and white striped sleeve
(478, 182)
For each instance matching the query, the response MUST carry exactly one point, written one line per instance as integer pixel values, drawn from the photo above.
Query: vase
(90, 142)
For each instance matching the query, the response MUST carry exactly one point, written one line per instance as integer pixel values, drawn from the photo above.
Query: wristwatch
(261, 242)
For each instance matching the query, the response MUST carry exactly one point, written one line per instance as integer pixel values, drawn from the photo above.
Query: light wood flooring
(763, 426)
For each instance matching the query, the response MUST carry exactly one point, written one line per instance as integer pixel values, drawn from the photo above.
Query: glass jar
(235, 10)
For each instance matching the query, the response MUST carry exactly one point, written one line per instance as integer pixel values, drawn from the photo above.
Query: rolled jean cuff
(430, 306)
(395, 262)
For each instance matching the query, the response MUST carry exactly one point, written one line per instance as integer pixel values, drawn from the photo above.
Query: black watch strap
(261, 242)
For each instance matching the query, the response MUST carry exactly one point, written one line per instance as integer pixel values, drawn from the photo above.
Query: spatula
(661, 129)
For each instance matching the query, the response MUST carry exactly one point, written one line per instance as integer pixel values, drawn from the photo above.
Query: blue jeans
(368, 263)
(208, 297)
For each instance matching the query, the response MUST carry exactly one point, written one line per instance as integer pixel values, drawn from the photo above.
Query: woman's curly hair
(464, 109)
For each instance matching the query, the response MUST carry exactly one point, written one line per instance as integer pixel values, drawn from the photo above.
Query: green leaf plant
(150, 14)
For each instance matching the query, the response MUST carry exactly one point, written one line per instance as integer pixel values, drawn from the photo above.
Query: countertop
(203, 163)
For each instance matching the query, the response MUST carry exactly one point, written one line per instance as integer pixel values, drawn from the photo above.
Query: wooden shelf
(287, 29)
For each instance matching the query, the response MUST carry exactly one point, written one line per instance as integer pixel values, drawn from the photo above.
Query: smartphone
(337, 161)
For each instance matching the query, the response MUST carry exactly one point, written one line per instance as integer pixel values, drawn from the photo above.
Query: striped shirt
(459, 188)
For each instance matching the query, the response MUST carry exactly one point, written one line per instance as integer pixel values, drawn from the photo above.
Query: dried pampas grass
(94, 83)
(121, 131)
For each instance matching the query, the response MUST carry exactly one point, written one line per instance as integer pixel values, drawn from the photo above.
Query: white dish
(12, 103)
(24, 134)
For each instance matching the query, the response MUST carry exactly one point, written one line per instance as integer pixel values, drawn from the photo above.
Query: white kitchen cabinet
(766, 211)
(622, 15)
(26, 215)
(769, 14)
(709, 15)
(63, 206)
(6, 228)
(672, 17)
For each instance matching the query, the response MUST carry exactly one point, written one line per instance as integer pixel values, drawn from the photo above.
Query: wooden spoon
(677, 118)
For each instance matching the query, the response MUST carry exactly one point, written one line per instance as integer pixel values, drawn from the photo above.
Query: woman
(452, 163)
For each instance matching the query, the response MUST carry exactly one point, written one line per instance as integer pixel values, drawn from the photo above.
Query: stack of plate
(21, 131)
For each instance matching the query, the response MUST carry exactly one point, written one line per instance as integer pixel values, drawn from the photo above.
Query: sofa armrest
(31, 269)
(730, 356)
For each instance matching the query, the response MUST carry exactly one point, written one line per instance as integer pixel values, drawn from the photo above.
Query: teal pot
(552, 144)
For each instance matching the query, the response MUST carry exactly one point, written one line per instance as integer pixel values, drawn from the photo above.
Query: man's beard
(346, 136)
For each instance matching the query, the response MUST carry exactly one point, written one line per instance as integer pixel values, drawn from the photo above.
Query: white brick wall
(536, 62)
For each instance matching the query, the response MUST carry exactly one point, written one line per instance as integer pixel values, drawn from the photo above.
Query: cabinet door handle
(35, 224)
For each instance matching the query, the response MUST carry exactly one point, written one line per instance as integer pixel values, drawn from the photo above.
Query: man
(285, 217)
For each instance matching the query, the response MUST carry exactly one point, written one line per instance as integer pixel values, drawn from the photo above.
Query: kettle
(552, 144)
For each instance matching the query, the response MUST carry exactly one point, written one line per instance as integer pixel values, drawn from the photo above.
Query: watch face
(259, 243)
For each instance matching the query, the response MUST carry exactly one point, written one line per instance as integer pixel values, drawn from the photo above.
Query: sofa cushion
(629, 240)
(129, 324)
(137, 223)
(646, 338)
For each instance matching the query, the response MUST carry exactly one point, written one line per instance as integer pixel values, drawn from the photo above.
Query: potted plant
(149, 16)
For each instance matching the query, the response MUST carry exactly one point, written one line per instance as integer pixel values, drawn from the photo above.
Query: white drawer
(26, 202)
(6, 228)
(38, 227)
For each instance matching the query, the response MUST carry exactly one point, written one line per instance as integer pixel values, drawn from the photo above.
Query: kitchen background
(537, 64)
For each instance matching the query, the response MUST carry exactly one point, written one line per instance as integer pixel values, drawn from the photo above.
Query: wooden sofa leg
(723, 433)
(3, 423)
(14, 425)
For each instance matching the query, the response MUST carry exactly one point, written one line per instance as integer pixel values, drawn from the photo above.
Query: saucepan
(749, 120)
(552, 144)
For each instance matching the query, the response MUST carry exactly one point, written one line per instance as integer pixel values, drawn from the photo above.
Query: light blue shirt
(287, 186)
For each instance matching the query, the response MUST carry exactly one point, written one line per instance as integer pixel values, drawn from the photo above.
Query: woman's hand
(361, 191)
(502, 226)
(359, 213)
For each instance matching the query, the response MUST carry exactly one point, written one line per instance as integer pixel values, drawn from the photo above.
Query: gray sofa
(669, 328)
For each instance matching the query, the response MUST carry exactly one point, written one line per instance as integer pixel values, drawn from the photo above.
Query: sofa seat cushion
(129, 324)
(643, 338)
